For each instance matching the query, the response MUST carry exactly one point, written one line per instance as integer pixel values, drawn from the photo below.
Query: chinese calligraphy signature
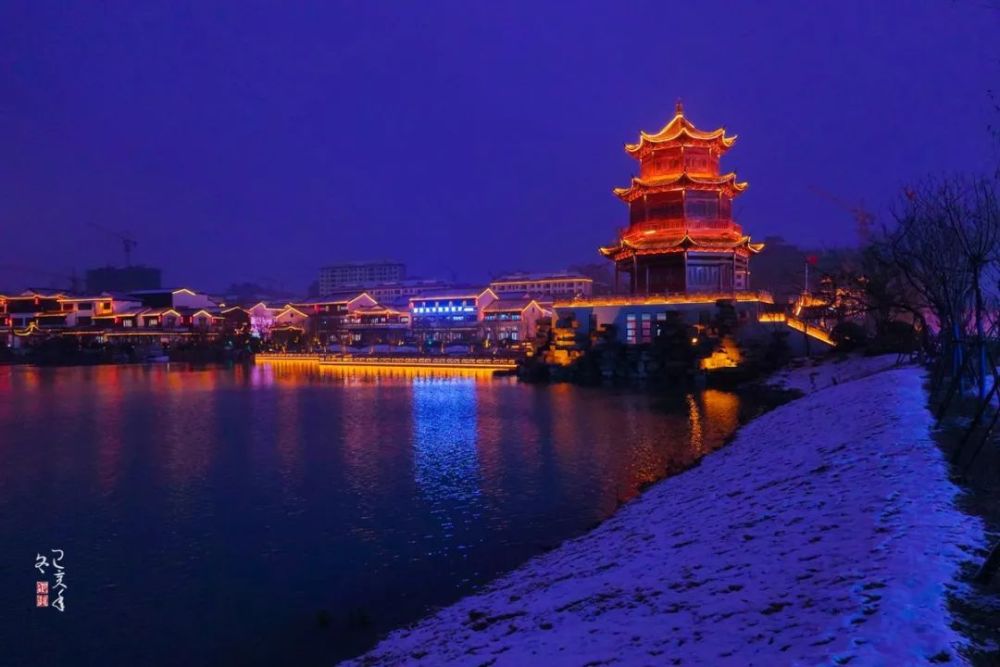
(43, 591)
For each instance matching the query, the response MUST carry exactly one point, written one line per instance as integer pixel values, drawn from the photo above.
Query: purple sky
(259, 141)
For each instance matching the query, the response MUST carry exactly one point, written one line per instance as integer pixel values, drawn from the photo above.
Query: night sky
(258, 141)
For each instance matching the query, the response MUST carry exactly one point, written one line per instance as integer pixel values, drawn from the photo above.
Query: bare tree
(923, 249)
(975, 220)
(945, 247)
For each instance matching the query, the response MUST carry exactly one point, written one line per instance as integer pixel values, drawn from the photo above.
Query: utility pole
(810, 260)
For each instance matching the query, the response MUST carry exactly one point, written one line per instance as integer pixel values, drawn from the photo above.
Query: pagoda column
(685, 274)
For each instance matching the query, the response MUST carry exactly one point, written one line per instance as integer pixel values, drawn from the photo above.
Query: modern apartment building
(555, 285)
(336, 277)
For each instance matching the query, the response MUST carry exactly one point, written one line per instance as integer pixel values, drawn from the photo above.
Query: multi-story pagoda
(681, 236)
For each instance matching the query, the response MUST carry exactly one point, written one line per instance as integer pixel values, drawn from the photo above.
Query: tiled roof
(336, 297)
(526, 277)
(451, 293)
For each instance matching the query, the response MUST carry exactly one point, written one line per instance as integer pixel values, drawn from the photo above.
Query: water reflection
(109, 428)
(722, 409)
(694, 417)
(289, 438)
(262, 375)
(445, 461)
(260, 495)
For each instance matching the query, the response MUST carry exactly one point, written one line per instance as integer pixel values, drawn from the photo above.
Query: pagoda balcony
(680, 225)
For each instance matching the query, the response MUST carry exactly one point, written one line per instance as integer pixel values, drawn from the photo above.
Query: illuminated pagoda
(681, 237)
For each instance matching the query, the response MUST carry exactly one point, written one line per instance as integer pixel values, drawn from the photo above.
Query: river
(261, 515)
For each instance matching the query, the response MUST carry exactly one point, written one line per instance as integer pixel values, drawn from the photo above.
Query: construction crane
(862, 216)
(128, 243)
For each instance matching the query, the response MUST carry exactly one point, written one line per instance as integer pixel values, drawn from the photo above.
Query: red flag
(812, 259)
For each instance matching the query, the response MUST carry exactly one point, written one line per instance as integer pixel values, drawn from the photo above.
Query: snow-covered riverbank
(825, 533)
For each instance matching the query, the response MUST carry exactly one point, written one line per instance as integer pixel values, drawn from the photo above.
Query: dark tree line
(939, 264)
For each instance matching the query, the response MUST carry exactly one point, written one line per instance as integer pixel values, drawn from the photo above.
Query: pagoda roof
(680, 129)
(655, 243)
(641, 186)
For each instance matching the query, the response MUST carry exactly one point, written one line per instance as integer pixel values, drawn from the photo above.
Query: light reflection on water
(246, 500)
(445, 465)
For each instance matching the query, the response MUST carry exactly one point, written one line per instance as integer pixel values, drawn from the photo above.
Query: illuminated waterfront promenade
(405, 362)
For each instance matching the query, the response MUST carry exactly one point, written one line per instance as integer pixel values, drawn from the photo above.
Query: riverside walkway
(471, 363)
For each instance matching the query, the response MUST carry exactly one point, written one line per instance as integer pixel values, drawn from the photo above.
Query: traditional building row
(452, 315)
(177, 313)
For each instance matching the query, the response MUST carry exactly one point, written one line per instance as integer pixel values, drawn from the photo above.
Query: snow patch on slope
(814, 374)
(826, 532)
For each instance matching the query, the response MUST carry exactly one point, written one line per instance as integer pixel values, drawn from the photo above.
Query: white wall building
(336, 277)
(555, 285)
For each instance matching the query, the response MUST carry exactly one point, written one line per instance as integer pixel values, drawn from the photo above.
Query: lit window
(630, 329)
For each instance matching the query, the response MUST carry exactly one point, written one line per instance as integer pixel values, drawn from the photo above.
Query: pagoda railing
(680, 225)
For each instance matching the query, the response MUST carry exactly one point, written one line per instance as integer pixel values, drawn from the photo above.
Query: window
(647, 327)
(630, 329)
(725, 208)
(85, 305)
(671, 206)
(702, 205)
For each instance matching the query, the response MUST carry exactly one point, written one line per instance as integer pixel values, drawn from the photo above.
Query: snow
(813, 375)
(826, 532)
